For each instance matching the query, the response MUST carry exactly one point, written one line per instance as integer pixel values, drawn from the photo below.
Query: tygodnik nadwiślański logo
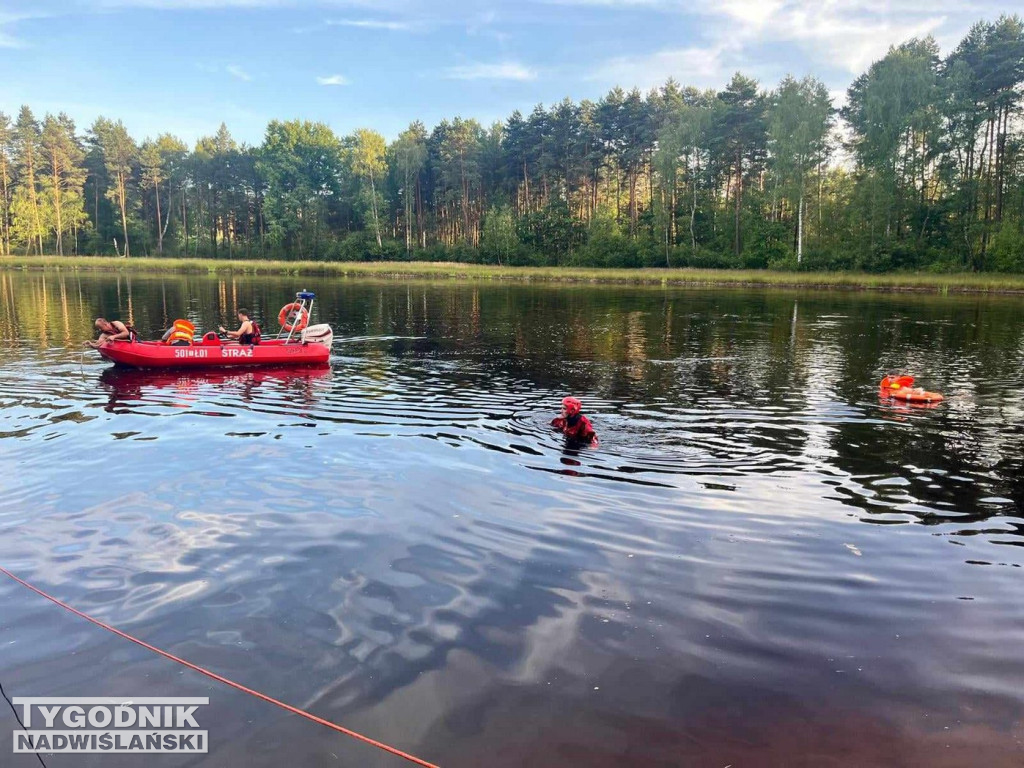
(106, 725)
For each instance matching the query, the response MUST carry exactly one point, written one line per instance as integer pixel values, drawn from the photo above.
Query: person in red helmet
(573, 424)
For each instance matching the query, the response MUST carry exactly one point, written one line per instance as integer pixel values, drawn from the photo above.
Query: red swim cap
(572, 405)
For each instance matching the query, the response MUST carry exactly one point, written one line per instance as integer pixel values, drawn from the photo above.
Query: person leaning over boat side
(248, 332)
(111, 330)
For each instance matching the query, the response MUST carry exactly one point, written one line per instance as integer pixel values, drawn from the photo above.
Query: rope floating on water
(221, 679)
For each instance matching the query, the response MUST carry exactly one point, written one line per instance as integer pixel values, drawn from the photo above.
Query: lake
(762, 564)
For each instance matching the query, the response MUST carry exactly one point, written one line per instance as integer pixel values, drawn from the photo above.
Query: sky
(185, 66)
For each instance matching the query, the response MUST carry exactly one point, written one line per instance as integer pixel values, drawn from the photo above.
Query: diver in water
(573, 424)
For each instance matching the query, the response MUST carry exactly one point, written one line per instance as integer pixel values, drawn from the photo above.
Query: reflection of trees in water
(970, 440)
(741, 377)
(810, 369)
(726, 350)
(8, 310)
(43, 309)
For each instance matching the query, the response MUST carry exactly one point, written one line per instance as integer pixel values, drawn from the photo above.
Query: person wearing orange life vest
(248, 332)
(573, 424)
(182, 333)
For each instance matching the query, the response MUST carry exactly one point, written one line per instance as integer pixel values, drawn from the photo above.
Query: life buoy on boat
(293, 317)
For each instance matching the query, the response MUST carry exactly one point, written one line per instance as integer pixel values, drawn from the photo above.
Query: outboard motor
(318, 334)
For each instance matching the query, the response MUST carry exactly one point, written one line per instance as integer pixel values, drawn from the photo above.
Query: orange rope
(221, 679)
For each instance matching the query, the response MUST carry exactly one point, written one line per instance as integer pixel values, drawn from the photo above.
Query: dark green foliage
(927, 174)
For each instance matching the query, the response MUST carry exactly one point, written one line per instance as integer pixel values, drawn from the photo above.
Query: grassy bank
(923, 282)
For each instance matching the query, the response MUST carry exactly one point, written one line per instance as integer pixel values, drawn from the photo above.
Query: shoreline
(994, 283)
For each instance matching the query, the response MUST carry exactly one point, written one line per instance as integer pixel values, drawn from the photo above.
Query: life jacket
(576, 427)
(182, 333)
(133, 335)
(251, 338)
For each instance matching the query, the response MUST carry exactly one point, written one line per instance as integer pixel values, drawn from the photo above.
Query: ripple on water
(401, 542)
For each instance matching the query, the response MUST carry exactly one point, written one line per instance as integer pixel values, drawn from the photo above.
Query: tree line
(922, 168)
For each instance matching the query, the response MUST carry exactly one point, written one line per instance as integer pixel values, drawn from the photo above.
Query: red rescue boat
(301, 346)
(156, 354)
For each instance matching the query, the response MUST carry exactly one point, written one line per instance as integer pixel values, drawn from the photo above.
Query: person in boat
(111, 330)
(573, 424)
(248, 332)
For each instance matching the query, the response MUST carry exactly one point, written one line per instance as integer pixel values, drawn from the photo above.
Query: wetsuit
(576, 427)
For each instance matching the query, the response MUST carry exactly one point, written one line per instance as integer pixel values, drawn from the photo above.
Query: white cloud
(508, 70)
(333, 80)
(391, 26)
(480, 22)
(483, 25)
(615, 3)
(189, 5)
(852, 35)
(755, 13)
(200, 5)
(837, 39)
(699, 66)
(7, 40)
(234, 70)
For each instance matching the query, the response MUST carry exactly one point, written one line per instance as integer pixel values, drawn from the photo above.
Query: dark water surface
(761, 565)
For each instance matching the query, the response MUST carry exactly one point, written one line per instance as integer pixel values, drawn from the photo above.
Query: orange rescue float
(293, 317)
(902, 388)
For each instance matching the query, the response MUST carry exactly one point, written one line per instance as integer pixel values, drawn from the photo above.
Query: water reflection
(133, 390)
(401, 543)
(684, 382)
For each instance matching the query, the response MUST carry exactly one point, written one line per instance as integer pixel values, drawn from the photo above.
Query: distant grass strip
(900, 281)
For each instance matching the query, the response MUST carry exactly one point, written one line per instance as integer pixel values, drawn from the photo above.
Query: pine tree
(28, 220)
(65, 175)
(120, 155)
(6, 183)
(160, 162)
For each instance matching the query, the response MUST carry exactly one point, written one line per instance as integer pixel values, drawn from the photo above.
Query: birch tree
(63, 156)
(408, 155)
(799, 122)
(120, 156)
(368, 150)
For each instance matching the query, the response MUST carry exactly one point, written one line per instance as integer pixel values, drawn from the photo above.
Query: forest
(922, 168)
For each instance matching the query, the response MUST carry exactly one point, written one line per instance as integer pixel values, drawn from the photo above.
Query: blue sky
(184, 66)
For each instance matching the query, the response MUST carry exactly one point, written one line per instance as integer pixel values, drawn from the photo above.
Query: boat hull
(151, 354)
